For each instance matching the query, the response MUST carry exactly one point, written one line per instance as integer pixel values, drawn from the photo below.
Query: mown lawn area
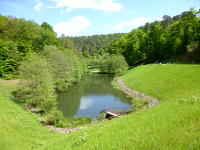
(165, 82)
(172, 124)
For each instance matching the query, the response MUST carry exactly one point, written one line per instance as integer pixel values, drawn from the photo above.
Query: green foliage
(113, 64)
(67, 43)
(37, 83)
(65, 66)
(86, 54)
(160, 40)
(56, 118)
(59, 67)
(138, 104)
(102, 116)
(9, 58)
(95, 44)
(18, 37)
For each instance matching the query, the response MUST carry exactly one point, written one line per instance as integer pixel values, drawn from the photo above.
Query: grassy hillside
(19, 129)
(172, 124)
(165, 82)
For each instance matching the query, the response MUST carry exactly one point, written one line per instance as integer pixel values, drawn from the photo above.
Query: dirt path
(127, 90)
(9, 82)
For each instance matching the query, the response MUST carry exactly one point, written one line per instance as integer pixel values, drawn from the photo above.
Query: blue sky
(88, 17)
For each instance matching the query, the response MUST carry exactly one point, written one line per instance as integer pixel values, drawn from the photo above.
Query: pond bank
(151, 101)
(64, 130)
(125, 89)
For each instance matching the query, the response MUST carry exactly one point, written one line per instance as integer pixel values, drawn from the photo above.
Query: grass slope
(19, 129)
(165, 82)
(172, 124)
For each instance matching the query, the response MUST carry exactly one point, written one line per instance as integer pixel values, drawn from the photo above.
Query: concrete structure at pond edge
(110, 113)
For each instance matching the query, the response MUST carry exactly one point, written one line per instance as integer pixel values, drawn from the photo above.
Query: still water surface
(92, 94)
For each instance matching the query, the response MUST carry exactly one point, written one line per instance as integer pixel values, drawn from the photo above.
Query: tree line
(172, 39)
(94, 44)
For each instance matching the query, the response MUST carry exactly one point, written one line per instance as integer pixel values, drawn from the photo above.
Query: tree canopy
(169, 39)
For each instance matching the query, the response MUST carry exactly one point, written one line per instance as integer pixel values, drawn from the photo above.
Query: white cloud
(105, 5)
(72, 27)
(133, 23)
(38, 6)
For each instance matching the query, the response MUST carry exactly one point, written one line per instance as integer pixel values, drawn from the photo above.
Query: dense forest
(172, 39)
(94, 44)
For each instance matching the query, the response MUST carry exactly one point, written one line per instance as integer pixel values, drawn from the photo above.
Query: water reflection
(90, 96)
(86, 102)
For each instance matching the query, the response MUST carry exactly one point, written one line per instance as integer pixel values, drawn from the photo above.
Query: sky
(89, 17)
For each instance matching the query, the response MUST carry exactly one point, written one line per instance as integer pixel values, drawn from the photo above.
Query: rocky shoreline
(64, 130)
(127, 90)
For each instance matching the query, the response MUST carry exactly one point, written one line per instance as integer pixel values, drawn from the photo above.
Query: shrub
(59, 67)
(37, 85)
(65, 66)
(54, 117)
(113, 64)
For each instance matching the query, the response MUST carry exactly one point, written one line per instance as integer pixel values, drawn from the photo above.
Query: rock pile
(64, 130)
(127, 90)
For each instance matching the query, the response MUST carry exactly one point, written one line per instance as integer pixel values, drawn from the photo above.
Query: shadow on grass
(17, 96)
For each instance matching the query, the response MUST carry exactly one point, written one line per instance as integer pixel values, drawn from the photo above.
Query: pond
(91, 95)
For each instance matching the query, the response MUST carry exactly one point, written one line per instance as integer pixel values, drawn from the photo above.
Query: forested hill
(19, 37)
(94, 43)
(172, 39)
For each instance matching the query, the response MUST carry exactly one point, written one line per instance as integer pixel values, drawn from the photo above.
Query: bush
(59, 67)
(113, 64)
(37, 85)
(56, 118)
(65, 66)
